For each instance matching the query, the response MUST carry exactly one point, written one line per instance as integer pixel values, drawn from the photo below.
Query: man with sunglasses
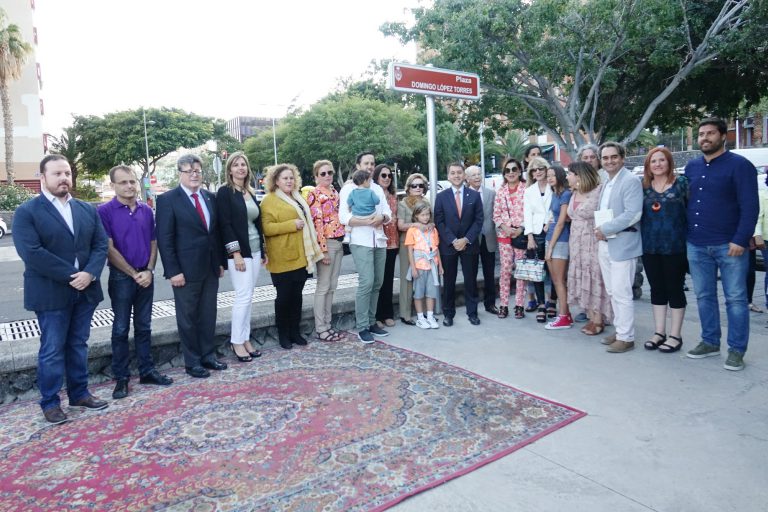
(369, 253)
(193, 258)
(487, 240)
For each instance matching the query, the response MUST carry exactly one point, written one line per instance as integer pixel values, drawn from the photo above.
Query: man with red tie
(193, 257)
(459, 221)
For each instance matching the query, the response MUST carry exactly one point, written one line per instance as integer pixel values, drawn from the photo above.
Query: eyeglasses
(539, 169)
(193, 172)
(325, 173)
(512, 169)
(385, 175)
(418, 185)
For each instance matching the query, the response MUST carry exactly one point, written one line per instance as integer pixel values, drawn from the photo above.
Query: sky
(219, 58)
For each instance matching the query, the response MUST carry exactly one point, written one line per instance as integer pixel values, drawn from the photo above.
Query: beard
(714, 148)
(59, 191)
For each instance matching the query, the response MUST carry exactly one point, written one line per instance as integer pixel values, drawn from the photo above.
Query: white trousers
(243, 284)
(618, 277)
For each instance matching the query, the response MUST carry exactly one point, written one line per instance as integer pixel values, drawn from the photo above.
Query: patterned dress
(508, 209)
(585, 281)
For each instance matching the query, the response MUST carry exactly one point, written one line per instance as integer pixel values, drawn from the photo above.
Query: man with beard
(63, 245)
(722, 213)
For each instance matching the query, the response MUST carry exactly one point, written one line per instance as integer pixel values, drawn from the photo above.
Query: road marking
(8, 254)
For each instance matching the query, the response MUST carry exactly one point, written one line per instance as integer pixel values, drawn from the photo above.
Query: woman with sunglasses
(323, 204)
(415, 187)
(585, 281)
(538, 197)
(385, 313)
(508, 216)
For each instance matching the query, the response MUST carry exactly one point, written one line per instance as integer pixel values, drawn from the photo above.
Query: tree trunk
(8, 127)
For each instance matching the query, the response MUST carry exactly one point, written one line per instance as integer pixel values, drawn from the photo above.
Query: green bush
(11, 196)
(86, 193)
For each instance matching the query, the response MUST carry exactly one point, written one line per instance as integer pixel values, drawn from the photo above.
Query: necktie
(458, 202)
(199, 209)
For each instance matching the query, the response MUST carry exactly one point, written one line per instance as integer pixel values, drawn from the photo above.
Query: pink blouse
(508, 206)
(324, 208)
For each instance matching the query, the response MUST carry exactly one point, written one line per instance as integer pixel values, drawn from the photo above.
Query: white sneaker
(433, 323)
(422, 323)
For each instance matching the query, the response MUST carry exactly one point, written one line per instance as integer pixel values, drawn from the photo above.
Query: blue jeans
(704, 262)
(64, 351)
(126, 295)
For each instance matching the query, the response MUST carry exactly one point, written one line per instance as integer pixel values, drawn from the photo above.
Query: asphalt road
(12, 289)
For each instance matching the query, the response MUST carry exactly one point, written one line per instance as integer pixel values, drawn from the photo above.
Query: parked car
(3, 228)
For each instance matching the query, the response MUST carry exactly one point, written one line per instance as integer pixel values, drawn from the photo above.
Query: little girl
(422, 242)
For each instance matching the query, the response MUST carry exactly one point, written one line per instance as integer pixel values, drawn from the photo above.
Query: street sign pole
(431, 148)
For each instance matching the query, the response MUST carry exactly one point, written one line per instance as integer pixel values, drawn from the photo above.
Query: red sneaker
(561, 322)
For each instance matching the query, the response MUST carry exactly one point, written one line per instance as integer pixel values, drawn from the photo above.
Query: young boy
(363, 202)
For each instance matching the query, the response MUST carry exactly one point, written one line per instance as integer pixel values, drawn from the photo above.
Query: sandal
(594, 331)
(503, 311)
(667, 348)
(407, 321)
(329, 335)
(532, 305)
(551, 310)
(519, 312)
(541, 315)
(755, 309)
(588, 327)
(654, 344)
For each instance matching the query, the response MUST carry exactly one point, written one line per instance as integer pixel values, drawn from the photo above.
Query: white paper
(603, 216)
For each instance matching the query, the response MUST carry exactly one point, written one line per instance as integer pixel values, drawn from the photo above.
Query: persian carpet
(333, 426)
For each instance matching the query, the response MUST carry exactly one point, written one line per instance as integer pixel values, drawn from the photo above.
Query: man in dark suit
(459, 221)
(487, 239)
(190, 246)
(63, 245)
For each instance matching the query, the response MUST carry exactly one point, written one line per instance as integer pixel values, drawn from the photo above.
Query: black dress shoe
(55, 415)
(213, 364)
(474, 320)
(448, 321)
(89, 402)
(492, 310)
(121, 389)
(198, 372)
(298, 340)
(155, 377)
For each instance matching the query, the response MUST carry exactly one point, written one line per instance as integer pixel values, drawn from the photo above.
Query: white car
(3, 228)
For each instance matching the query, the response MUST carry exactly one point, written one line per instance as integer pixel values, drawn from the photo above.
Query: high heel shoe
(242, 359)
(254, 353)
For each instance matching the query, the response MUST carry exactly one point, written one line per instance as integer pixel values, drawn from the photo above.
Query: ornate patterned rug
(333, 426)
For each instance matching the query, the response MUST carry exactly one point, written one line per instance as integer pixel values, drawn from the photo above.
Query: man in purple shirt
(132, 255)
(722, 214)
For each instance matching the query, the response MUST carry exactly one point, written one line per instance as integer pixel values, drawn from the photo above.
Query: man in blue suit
(193, 257)
(459, 221)
(63, 245)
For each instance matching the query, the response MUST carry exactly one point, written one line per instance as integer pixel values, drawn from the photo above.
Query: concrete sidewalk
(663, 432)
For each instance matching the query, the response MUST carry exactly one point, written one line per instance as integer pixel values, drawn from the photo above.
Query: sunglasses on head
(325, 173)
(418, 185)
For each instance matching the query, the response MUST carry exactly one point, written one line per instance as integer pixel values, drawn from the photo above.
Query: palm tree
(13, 55)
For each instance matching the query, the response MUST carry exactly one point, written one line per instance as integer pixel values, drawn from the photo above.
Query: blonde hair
(410, 200)
(535, 162)
(320, 163)
(230, 181)
(273, 172)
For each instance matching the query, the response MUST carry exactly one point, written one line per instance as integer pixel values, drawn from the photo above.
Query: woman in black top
(240, 221)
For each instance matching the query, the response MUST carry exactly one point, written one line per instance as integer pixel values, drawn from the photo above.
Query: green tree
(14, 52)
(583, 69)
(119, 137)
(260, 149)
(337, 130)
(67, 146)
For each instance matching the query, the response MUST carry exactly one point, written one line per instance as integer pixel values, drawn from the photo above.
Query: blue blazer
(184, 244)
(450, 227)
(48, 249)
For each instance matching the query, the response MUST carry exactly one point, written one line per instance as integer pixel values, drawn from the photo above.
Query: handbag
(520, 241)
(529, 269)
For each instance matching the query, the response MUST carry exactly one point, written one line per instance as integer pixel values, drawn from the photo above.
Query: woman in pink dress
(585, 282)
(508, 218)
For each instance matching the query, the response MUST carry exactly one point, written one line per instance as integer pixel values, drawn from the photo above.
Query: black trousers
(666, 275)
(469, 263)
(384, 307)
(196, 318)
(488, 262)
(289, 286)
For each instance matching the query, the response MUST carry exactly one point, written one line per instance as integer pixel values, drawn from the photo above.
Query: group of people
(590, 224)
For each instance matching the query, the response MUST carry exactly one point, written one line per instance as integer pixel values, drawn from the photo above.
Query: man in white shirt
(369, 253)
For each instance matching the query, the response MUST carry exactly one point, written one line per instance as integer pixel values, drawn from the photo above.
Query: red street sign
(433, 81)
(153, 179)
